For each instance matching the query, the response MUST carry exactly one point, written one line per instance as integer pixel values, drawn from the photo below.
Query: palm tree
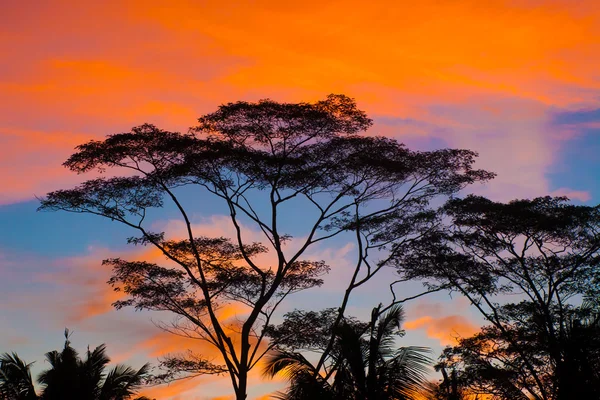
(70, 378)
(15, 379)
(365, 365)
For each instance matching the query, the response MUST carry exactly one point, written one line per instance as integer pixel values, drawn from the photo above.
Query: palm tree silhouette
(15, 379)
(366, 365)
(70, 378)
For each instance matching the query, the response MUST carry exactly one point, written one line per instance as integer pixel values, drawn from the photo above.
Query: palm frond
(286, 363)
(15, 378)
(408, 370)
(123, 382)
(305, 383)
(388, 325)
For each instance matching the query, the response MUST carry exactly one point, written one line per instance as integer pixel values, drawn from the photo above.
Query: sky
(517, 81)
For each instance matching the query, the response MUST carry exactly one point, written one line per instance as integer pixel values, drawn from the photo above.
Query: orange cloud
(430, 50)
(177, 390)
(164, 343)
(170, 64)
(445, 329)
(442, 320)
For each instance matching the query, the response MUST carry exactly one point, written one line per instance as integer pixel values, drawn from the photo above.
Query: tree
(543, 252)
(70, 377)
(263, 161)
(489, 363)
(363, 364)
(449, 388)
(15, 379)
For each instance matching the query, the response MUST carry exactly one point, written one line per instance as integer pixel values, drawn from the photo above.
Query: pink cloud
(580, 195)
(30, 162)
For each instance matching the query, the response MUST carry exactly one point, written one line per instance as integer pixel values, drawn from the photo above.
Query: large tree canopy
(526, 266)
(264, 161)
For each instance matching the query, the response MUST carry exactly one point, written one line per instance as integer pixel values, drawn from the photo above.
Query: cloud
(177, 390)
(82, 280)
(443, 321)
(30, 162)
(170, 64)
(577, 117)
(419, 57)
(446, 329)
(164, 343)
(580, 195)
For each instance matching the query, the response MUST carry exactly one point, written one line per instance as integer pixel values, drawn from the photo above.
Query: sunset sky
(517, 81)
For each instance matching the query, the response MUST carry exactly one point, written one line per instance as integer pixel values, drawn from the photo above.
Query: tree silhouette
(15, 379)
(582, 350)
(364, 364)
(264, 161)
(70, 377)
(545, 252)
(488, 363)
(449, 388)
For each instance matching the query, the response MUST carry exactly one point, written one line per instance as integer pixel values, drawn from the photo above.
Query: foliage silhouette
(15, 379)
(450, 388)
(363, 364)
(70, 377)
(488, 363)
(263, 161)
(546, 252)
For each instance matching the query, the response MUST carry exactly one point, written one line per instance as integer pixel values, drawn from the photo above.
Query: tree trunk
(240, 393)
